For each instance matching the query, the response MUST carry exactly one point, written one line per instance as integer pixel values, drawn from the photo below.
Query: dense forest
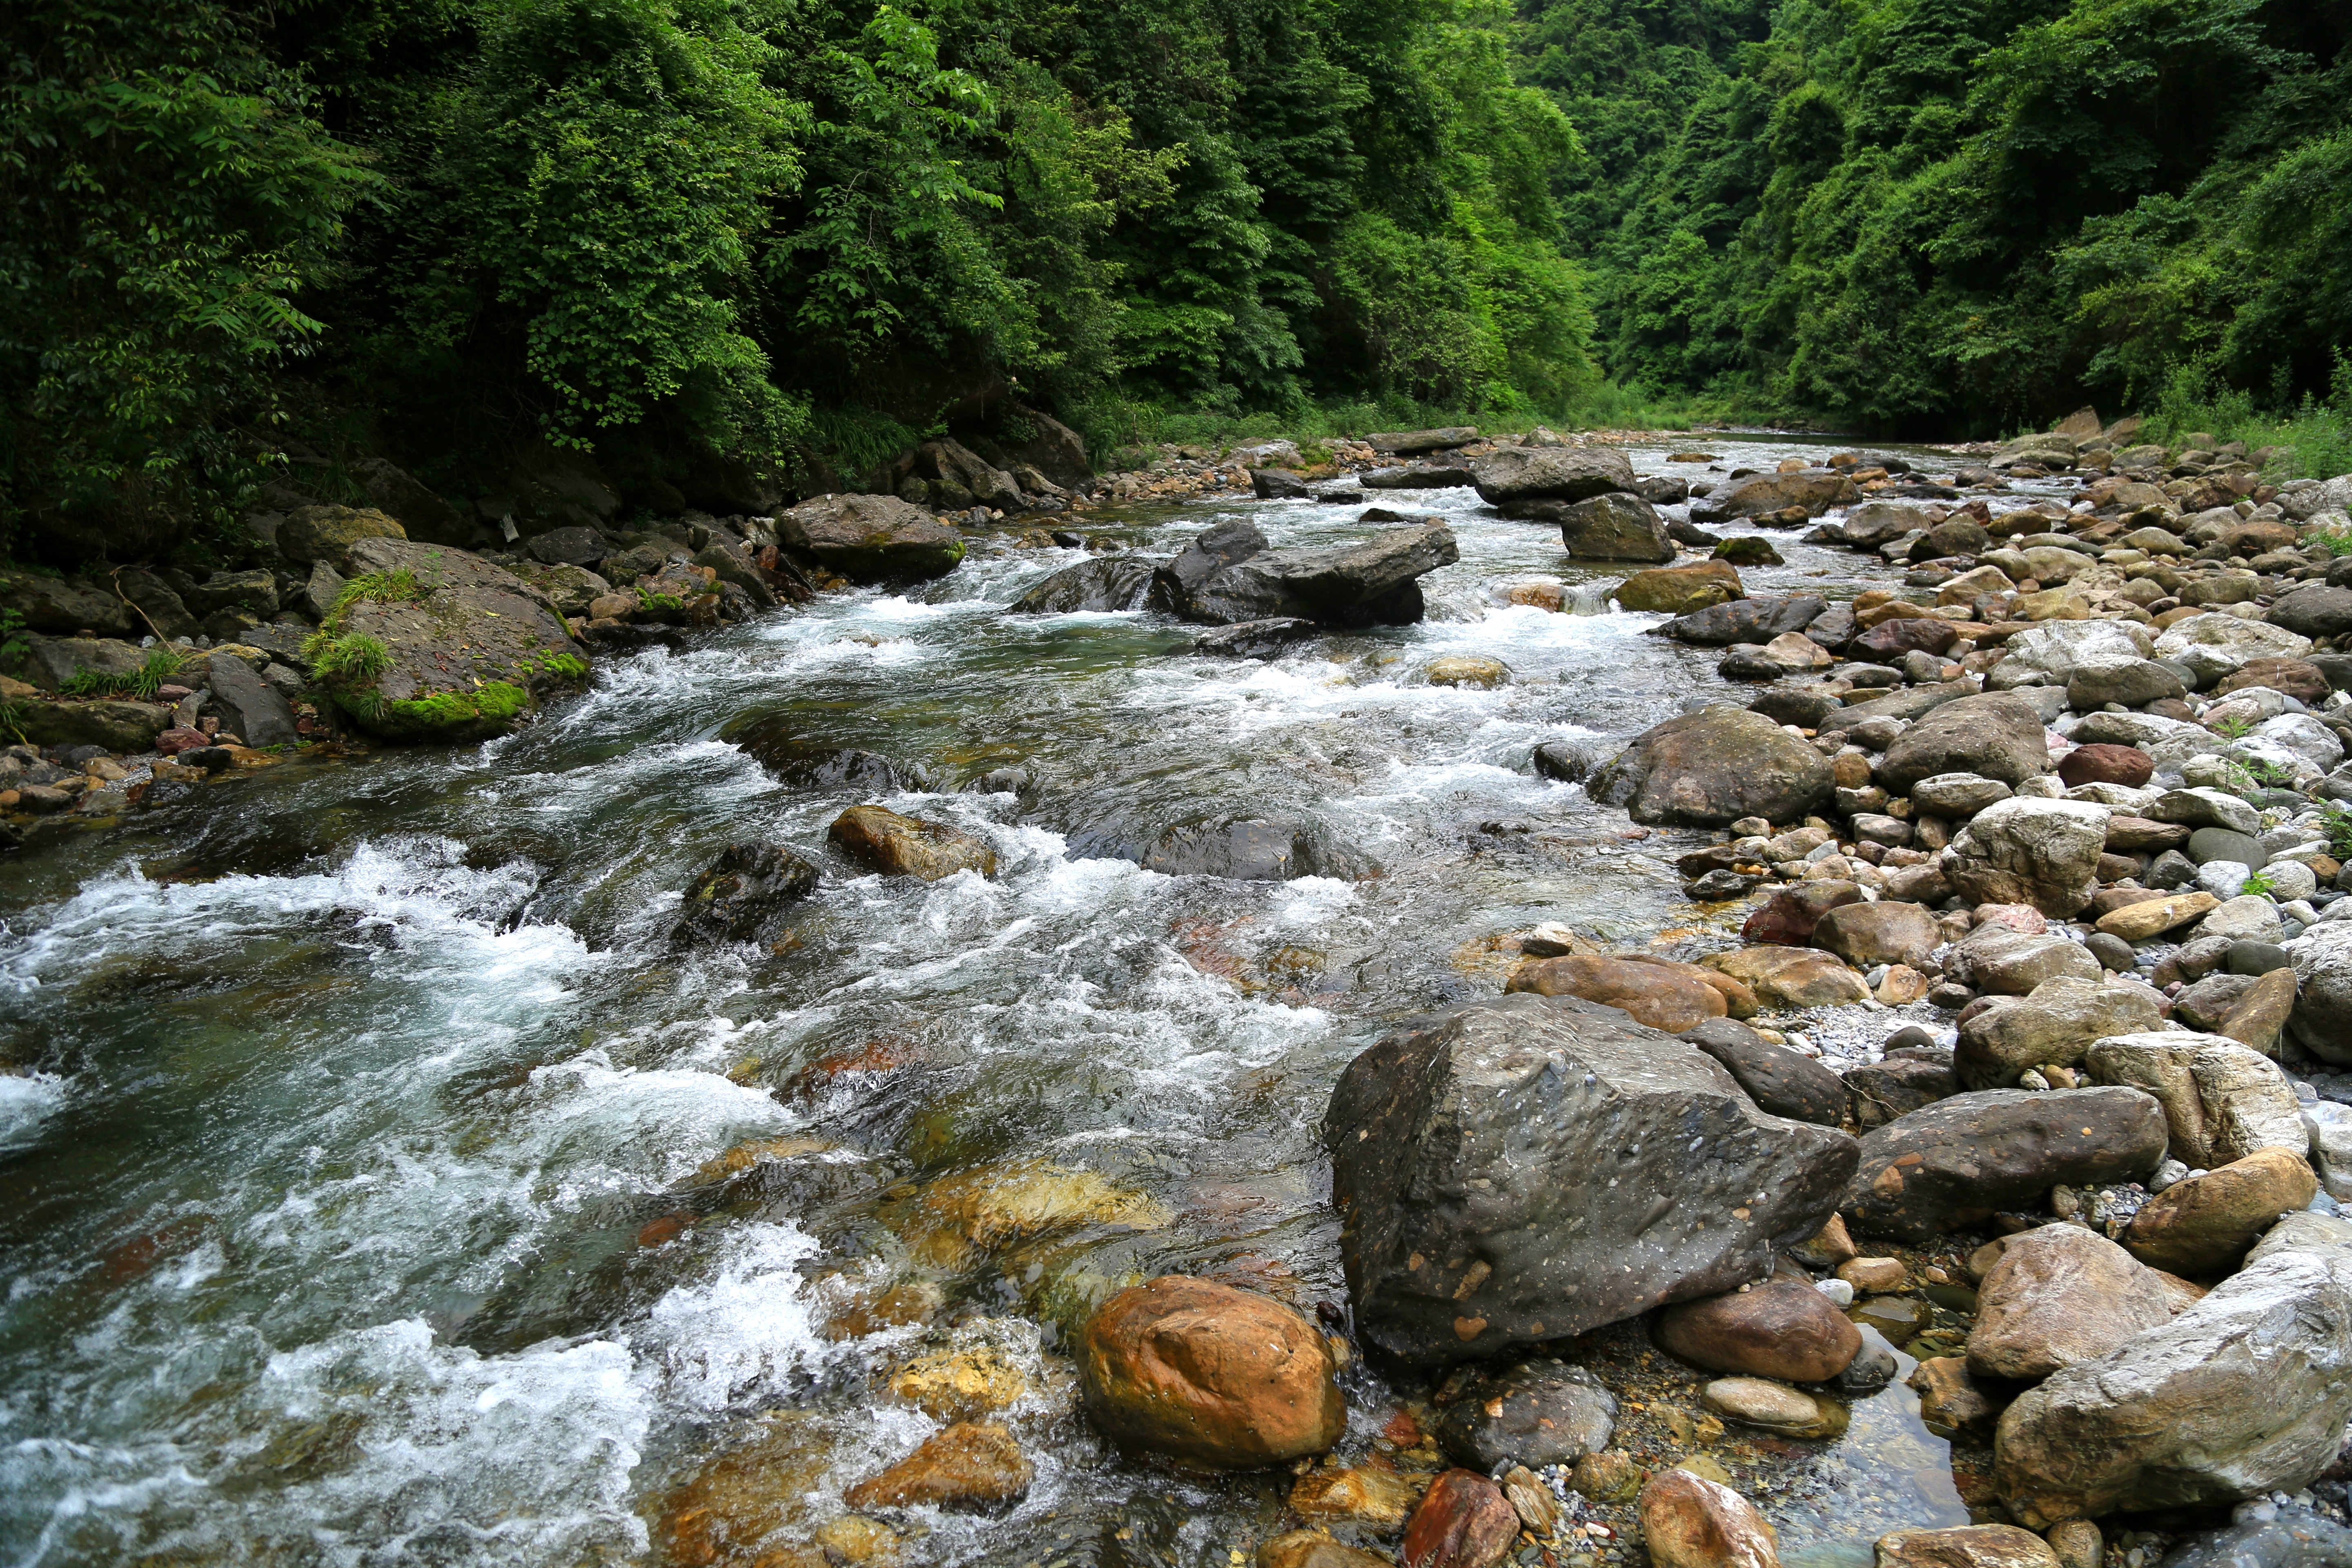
(789, 237)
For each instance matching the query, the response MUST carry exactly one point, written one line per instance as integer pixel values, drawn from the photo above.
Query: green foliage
(2336, 826)
(345, 663)
(162, 663)
(2233, 727)
(2259, 885)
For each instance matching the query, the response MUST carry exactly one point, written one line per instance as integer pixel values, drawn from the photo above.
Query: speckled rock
(1959, 1160)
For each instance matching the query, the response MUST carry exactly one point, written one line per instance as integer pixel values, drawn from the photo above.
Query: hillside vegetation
(787, 238)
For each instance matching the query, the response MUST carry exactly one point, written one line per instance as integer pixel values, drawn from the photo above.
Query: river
(349, 1198)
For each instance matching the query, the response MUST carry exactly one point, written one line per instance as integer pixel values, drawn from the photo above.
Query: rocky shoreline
(2003, 1094)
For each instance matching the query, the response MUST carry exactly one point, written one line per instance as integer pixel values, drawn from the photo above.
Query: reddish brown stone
(1781, 1329)
(1893, 639)
(1466, 1521)
(2104, 763)
(1788, 921)
(2297, 678)
(966, 1467)
(1664, 995)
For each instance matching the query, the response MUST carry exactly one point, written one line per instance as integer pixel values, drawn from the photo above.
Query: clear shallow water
(351, 1211)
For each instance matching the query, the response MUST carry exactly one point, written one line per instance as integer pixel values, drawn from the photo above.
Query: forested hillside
(790, 236)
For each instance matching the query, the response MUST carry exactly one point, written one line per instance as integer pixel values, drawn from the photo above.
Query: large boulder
(1815, 490)
(899, 845)
(2048, 653)
(2221, 1100)
(2217, 644)
(1993, 735)
(1712, 768)
(2028, 851)
(1112, 582)
(66, 606)
(120, 726)
(744, 895)
(1550, 473)
(1958, 1162)
(870, 539)
(2056, 1023)
(250, 708)
(2060, 1295)
(2001, 962)
(1371, 584)
(1678, 590)
(2315, 611)
(1869, 935)
(1780, 1080)
(2246, 1392)
(958, 477)
(1615, 527)
(1744, 620)
(1208, 1374)
(1526, 1169)
(327, 533)
(2203, 1224)
(1660, 992)
(2321, 1019)
(1781, 1327)
(429, 642)
(1877, 522)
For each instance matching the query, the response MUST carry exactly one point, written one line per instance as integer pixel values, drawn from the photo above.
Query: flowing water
(354, 1197)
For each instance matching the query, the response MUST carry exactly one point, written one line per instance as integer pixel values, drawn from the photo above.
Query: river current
(354, 1186)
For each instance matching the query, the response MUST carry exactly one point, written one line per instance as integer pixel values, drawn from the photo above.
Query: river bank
(391, 1182)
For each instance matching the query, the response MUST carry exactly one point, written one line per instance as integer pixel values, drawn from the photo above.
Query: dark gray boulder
(1550, 473)
(1112, 582)
(575, 546)
(1994, 735)
(1744, 620)
(1780, 1080)
(869, 539)
(1534, 1414)
(1711, 768)
(1278, 484)
(1882, 1091)
(1238, 848)
(1615, 527)
(1211, 551)
(2315, 611)
(1531, 1168)
(1956, 1162)
(1420, 477)
(1759, 495)
(249, 706)
(743, 894)
(1256, 639)
(1371, 584)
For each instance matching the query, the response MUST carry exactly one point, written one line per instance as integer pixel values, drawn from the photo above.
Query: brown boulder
(1466, 1521)
(1968, 1546)
(1791, 978)
(1369, 1494)
(899, 845)
(1949, 1398)
(1209, 1375)
(1893, 639)
(1676, 590)
(2060, 1295)
(967, 1468)
(2106, 763)
(2145, 919)
(1669, 997)
(2204, 1225)
(2297, 678)
(1693, 1523)
(1781, 1327)
(1710, 769)
(1867, 935)
(1789, 917)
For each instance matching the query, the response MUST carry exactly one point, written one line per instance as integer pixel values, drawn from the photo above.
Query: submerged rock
(1588, 1169)
(908, 846)
(1209, 1375)
(968, 1468)
(1536, 1413)
(744, 893)
(1112, 582)
(1466, 1521)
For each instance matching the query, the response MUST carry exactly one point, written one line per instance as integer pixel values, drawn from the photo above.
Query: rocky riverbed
(1718, 1001)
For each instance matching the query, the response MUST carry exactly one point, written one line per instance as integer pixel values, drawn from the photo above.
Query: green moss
(546, 661)
(347, 660)
(490, 709)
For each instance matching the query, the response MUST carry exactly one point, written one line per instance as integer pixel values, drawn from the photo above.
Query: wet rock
(1815, 491)
(1967, 1546)
(441, 645)
(1878, 1276)
(960, 1384)
(2243, 1392)
(2044, 853)
(1949, 1399)
(1744, 621)
(738, 1503)
(327, 532)
(1256, 639)
(1108, 584)
(1464, 1522)
(1873, 1366)
(1550, 473)
(969, 1468)
(1779, 1328)
(1249, 849)
(959, 1216)
(870, 539)
(1879, 1092)
(2221, 1100)
(2061, 1295)
(1532, 1500)
(1209, 1375)
(1371, 584)
(2055, 1023)
(1748, 550)
(1689, 1521)
(2001, 961)
(909, 847)
(1536, 1413)
(1994, 735)
(1956, 1162)
(1278, 484)
(1363, 1494)
(1790, 916)
(1678, 590)
(1710, 769)
(1668, 996)
(1466, 669)
(2204, 1225)
(743, 894)
(1774, 1406)
(1615, 527)
(2077, 1543)
(2289, 1538)
(1313, 1548)
(1869, 935)
(1607, 1477)
(1580, 1154)
(1791, 978)
(1780, 1081)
